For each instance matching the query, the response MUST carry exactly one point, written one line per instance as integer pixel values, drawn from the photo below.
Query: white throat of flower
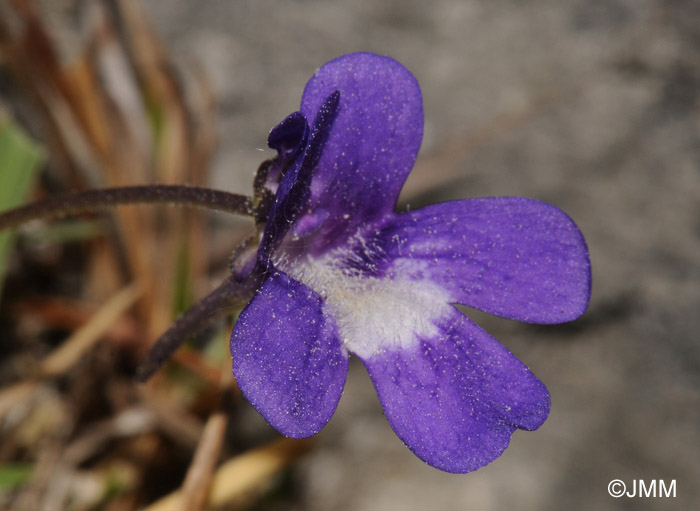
(374, 315)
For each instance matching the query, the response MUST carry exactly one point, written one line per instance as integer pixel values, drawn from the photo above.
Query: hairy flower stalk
(225, 299)
(94, 200)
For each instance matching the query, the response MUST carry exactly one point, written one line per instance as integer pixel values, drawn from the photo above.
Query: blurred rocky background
(591, 105)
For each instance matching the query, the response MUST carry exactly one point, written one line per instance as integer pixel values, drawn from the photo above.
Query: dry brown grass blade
(88, 103)
(61, 359)
(121, 87)
(196, 487)
(65, 356)
(174, 421)
(162, 89)
(205, 139)
(173, 157)
(30, 58)
(75, 115)
(14, 394)
(33, 41)
(133, 421)
(244, 473)
(205, 119)
(76, 84)
(67, 314)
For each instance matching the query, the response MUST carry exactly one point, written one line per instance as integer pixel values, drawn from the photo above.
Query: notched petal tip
(456, 399)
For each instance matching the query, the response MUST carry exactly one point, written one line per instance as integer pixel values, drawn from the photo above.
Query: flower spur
(342, 273)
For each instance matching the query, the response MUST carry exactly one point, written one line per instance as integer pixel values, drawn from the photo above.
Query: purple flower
(344, 273)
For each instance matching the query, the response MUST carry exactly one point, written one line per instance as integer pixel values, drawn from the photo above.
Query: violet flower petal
(373, 144)
(287, 357)
(456, 398)
(510, 256)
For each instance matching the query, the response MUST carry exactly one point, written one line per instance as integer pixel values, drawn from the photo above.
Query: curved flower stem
(92, 200)
(219, 303)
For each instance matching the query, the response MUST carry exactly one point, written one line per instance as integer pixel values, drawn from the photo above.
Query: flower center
(373, 314)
